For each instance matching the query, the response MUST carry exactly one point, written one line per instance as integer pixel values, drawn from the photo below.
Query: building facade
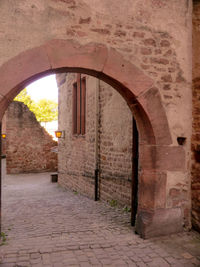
(104, 143)
(144, 50)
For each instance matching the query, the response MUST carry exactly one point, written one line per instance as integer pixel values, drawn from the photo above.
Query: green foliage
(3, 238)
(45, 110)
(113, 202)
(126, 209)
(24, 97)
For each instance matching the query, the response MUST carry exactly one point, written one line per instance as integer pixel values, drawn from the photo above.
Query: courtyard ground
(45, 225)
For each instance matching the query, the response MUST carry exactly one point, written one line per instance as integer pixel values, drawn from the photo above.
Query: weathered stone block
(160, 222)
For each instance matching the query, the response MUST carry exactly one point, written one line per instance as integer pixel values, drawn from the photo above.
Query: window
(79, 105)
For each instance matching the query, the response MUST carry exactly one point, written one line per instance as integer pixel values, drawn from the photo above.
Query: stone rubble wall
(28, 146)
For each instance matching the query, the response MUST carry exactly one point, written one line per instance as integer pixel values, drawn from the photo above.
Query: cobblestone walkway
(49, 226)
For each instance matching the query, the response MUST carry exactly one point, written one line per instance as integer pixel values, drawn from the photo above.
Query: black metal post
(135, 149)
(96, 188)
(0, 173)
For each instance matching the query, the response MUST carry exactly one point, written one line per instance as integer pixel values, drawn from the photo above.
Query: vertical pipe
(134, 198)
(0, 172)
(96, 189)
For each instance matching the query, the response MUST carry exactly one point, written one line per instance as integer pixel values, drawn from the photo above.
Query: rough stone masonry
(28, 147)
(144, 50)
(77, 160)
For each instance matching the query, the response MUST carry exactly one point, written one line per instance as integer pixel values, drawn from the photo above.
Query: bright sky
(44, 88)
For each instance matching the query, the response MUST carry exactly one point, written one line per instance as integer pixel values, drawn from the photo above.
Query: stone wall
(155, 35)
(3, 140)
(77, 153)
(196, 119)
(145, 48)
(115, 146)
(28, 145)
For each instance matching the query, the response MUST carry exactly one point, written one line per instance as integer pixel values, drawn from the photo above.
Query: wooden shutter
(74, 109)
(78, 103)
(83, 105)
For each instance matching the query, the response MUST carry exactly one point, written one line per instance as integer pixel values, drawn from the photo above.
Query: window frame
(79, 106)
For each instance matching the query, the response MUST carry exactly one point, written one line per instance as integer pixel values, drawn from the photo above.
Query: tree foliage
(24, 97)
(45, 110)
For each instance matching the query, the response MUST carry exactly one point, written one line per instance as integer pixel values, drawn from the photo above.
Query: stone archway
(155, 149)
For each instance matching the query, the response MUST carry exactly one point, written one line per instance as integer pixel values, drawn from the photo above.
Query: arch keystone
(62, 53)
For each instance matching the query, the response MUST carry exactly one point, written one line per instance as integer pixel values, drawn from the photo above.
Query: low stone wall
(28, 145)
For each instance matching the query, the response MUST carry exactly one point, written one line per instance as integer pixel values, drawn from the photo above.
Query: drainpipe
(96, 188)
(134, 200)
(0, 172)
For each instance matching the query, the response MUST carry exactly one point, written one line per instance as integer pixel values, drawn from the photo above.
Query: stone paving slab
(49, 226)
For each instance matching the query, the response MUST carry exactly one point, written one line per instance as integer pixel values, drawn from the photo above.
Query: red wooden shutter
(74, 109)
(83, 105)
(78, 103)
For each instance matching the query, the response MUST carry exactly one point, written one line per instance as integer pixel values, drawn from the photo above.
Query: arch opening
(142, 98)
